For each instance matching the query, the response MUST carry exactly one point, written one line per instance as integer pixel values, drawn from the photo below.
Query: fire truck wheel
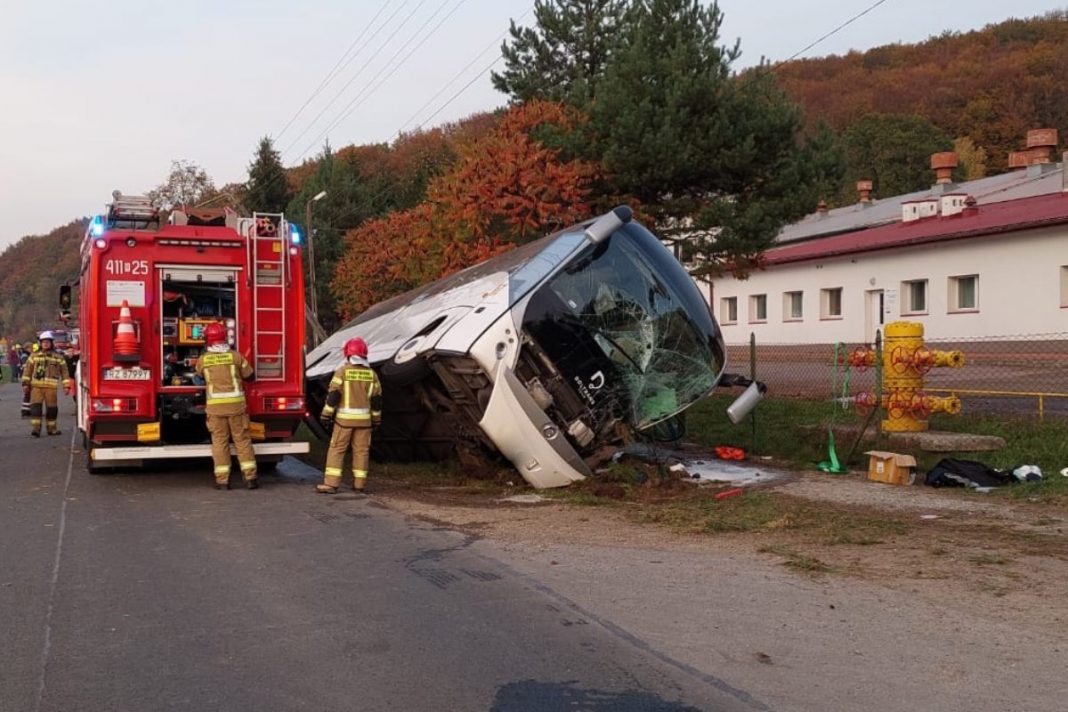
(89, 466)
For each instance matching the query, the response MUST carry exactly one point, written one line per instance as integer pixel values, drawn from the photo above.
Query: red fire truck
(147, 291)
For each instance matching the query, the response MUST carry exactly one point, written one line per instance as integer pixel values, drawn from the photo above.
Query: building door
(873, 313)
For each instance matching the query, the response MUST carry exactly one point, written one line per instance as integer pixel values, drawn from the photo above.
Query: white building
(974, 260)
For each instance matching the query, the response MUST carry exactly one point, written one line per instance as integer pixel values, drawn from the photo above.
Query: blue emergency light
(294, 236)
(97, 226)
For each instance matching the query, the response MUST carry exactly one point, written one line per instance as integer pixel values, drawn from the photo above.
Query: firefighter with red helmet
(354, 404)
(42, 375)
(223, 371)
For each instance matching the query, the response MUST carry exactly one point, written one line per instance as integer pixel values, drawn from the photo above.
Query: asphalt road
(152, 591)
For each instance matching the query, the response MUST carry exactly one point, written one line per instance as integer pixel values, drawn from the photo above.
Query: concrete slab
(942, 441)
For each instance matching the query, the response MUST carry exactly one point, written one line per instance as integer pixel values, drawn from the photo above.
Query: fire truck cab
(147, 292)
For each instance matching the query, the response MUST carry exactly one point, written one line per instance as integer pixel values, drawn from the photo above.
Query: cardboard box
(891, 467)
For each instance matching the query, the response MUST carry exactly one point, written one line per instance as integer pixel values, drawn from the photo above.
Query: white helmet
(46, 335)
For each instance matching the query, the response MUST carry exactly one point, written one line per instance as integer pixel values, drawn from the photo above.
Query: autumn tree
(564, 55)
(267, 188)
(186, 184)
(971, 159)
(893, 151)
(505, 188)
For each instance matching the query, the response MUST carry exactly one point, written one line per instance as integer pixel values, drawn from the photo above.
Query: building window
(792, 306)
(964, 293)
(831, 303)
(1064, 286)
(914, 297)
(728, 307)
(758, 308)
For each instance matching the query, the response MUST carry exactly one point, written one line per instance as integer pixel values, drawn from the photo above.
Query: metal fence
(1011, 376)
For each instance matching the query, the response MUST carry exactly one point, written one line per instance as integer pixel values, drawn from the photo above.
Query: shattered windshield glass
(648, 321)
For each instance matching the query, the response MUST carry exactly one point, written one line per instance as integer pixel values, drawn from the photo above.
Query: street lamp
(311, 258)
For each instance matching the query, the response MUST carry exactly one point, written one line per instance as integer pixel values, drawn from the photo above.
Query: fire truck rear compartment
(188, 308)
(191, 300)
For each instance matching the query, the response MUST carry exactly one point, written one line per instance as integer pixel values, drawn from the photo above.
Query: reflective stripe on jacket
(357, 386)
(222, 372)
(45, 369)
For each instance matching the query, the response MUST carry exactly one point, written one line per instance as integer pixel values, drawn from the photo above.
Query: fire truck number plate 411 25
(122, 268)
(127, 374)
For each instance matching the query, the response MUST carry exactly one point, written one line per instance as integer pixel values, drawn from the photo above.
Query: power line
(334, 71)
(452, 98)
(370, 202)
(371, 87)
(449, 83)
(835, 31)
(459, 92)
(358, 73)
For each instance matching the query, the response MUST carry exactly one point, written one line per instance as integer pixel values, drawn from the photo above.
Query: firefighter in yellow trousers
(354, 404)
(223, 371)
(42, 375)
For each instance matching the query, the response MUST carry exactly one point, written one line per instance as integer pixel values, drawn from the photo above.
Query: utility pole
(311, 258)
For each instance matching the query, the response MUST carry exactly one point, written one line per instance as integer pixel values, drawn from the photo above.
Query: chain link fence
(1017, 376)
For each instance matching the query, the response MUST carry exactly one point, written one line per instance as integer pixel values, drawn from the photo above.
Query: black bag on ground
(950, 472)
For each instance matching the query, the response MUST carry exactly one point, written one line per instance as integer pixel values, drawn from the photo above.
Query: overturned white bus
(547, 354)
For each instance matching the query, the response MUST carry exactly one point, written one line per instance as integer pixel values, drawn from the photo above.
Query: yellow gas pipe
(905, 361)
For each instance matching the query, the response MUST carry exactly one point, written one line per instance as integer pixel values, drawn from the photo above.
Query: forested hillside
(31, 271)
(990, 86)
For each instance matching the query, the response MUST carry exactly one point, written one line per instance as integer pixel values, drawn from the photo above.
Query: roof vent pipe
(943, 164)
(864, 191)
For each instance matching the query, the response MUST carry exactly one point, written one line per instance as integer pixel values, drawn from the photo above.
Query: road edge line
(55, 577)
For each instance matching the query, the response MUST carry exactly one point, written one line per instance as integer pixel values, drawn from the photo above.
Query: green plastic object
(831, 464)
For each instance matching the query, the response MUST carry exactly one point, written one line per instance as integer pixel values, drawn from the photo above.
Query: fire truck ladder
(269, 253)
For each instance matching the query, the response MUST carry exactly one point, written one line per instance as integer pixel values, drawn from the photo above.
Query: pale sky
(101, 95)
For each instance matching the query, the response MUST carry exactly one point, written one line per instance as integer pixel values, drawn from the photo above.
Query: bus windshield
(651, 344)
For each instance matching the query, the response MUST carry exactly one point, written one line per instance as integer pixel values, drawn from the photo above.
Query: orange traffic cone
(125, 346)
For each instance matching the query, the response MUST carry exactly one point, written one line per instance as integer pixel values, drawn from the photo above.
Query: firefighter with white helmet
(42, 375)
(223, 371)
(354, 404)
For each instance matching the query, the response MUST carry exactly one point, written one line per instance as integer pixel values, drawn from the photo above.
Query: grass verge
(785, 430)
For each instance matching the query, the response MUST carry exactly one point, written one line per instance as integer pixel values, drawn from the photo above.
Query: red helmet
(356, 347)
(215, 334)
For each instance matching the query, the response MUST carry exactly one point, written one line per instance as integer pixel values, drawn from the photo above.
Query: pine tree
(268, 186)
(343, 207)
(717, 160)
(562, 58)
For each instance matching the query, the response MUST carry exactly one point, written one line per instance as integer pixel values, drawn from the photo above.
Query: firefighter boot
(329, 485)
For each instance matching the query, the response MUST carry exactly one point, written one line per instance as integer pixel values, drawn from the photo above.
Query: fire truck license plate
(127, 374)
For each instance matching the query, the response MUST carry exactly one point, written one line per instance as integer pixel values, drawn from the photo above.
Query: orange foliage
(991, 85)
(505, 189)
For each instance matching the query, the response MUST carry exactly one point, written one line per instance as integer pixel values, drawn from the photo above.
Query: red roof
(990, 219)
